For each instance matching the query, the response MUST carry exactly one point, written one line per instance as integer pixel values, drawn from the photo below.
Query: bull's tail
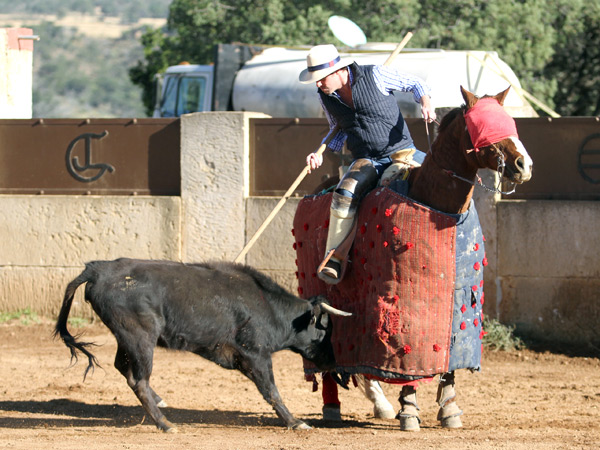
(61, 324)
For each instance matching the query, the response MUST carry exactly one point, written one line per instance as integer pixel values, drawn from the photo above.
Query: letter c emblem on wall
(73, 166)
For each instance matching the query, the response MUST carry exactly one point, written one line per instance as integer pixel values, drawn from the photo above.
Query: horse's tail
(61, 323)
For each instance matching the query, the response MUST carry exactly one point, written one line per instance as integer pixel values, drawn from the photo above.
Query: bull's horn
(334, 311)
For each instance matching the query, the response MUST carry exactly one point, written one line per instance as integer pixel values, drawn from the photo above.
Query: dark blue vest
(375, 127)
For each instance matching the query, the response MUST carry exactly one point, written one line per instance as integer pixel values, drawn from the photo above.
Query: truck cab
(184, 88)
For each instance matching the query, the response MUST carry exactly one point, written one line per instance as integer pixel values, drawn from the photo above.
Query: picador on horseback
(406, 257)
(363, 113)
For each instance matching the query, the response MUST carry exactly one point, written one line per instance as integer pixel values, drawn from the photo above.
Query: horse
(477, 135)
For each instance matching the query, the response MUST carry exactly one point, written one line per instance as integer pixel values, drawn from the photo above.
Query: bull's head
(313, 333)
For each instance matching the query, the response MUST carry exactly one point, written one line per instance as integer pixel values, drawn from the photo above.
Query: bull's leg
(136, 370)
(382, 408)
(409, 414)
(331, 400)
(449, 412)
(123, 366)
(262, 375)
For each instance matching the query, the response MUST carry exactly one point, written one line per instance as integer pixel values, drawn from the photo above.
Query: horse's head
(494, 138)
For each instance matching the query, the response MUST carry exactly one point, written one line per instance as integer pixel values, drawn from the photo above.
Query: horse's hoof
(451, 422)
(409, 423)
(332, 412)
(384, 412)
(449, 416)
(301, 426)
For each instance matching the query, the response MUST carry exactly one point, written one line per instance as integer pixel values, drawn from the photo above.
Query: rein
(500, 170)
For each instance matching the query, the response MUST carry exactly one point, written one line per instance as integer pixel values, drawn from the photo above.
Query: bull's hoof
(332, 413)
(384, 411)
(167, 426)
(449, 416)
(301, 426)
(162, 404)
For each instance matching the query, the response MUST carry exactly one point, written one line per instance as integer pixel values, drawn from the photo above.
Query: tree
(542, 40)
(575, 67)
(195, 26)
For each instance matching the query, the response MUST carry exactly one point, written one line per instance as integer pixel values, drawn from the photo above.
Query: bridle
(501, 166)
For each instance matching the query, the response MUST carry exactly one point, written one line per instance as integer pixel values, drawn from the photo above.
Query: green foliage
(23, 316)
(552, 45)
(500, 337)
(575, 66)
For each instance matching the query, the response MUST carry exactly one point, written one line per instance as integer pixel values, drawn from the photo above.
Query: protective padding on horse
(399, 285)
(414, 286)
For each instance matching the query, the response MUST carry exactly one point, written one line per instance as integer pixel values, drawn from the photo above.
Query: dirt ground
(520, 400)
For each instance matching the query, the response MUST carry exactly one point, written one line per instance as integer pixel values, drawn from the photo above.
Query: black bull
(227, 313)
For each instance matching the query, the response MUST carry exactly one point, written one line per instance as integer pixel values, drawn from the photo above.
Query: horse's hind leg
(409, 414)
(382, 408)
(449, 413)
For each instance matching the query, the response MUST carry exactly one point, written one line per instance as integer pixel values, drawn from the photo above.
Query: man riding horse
(362, 111)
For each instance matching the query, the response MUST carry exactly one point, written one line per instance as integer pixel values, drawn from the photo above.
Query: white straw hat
(321, 61)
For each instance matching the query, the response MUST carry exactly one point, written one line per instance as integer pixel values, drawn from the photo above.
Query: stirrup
(331, 271)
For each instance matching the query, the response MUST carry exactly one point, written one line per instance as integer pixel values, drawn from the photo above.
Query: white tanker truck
(250, 78)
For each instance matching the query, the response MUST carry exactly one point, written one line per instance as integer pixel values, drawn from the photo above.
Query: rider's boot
(449, 412)
(409, 414)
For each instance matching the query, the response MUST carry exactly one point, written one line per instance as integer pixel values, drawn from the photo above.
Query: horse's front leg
(449, 413)
(409, 412)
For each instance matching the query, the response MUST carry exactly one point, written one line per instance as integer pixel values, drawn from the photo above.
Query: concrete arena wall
(543, 260)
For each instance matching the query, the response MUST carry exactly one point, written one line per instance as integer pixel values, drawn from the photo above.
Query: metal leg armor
(449, 412)
(409, 414)
(360, 178)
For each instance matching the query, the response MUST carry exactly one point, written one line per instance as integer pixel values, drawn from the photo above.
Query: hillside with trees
(76, 74)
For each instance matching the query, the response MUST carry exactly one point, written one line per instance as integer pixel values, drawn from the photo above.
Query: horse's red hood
(488, 123)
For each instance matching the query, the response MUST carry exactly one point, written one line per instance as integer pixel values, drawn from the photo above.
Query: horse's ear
(502, 95)
(470, 99)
